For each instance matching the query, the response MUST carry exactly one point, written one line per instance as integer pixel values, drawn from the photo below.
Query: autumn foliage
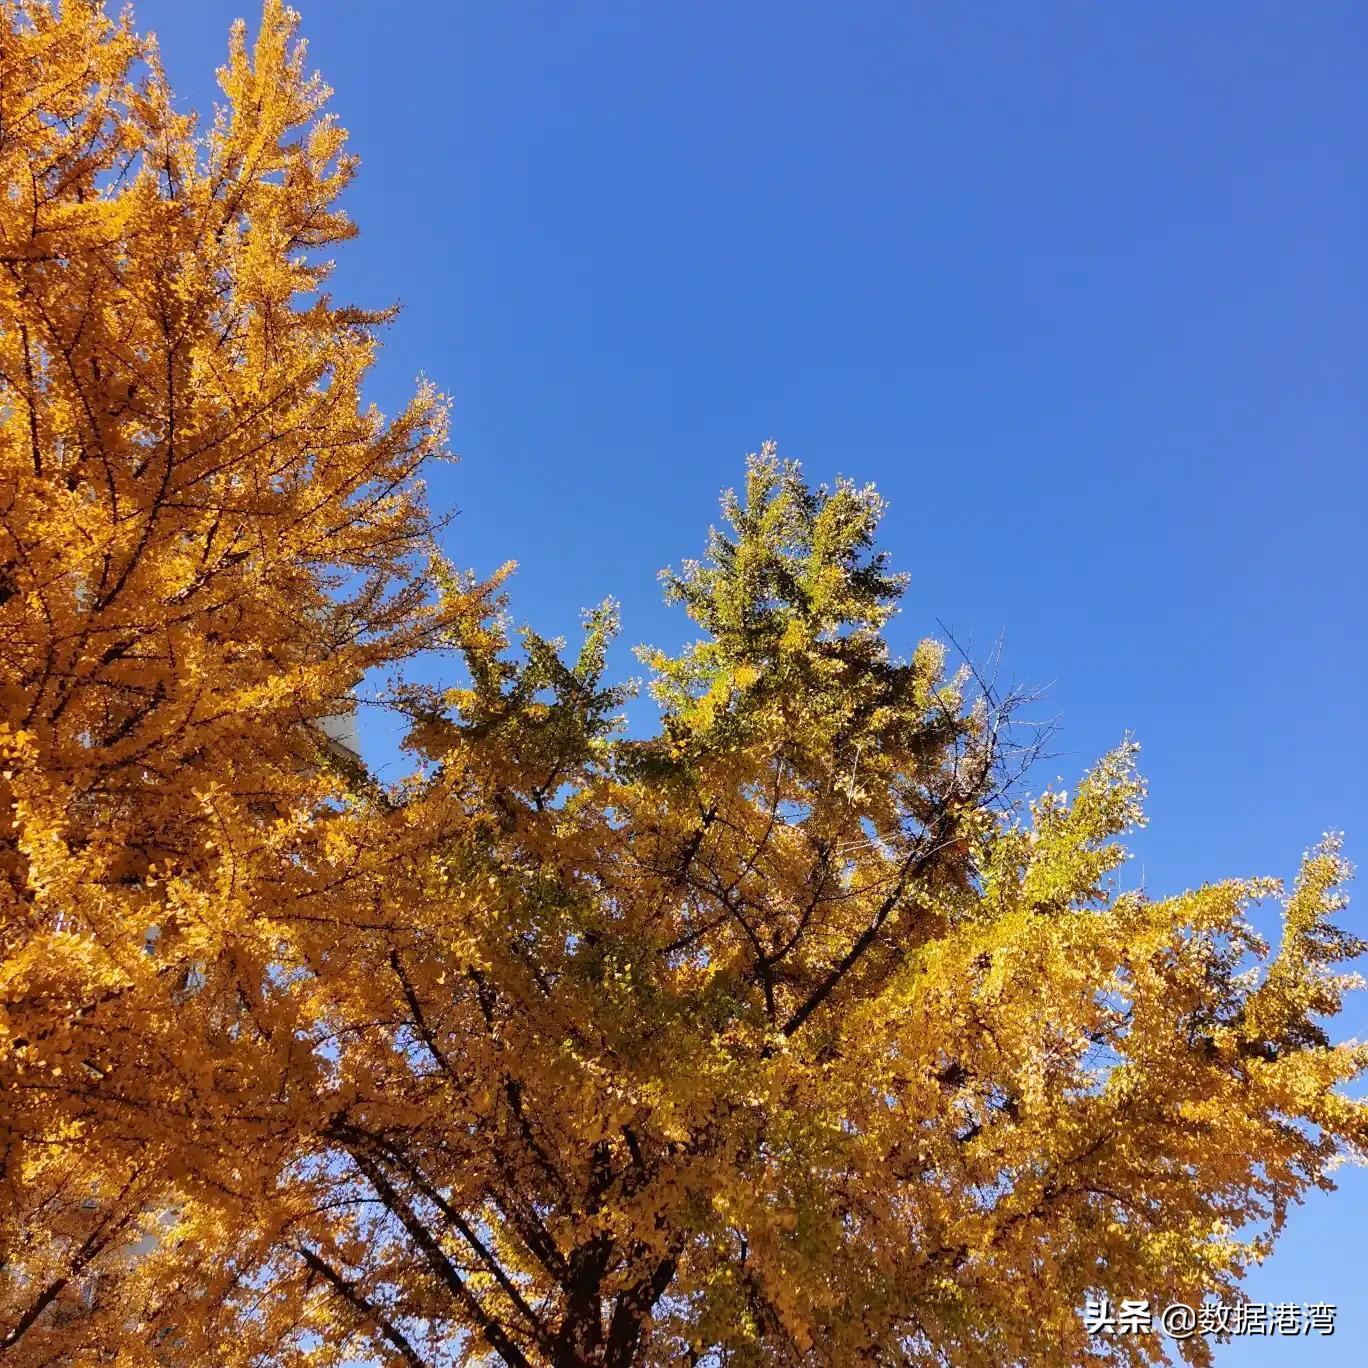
(790, 1034)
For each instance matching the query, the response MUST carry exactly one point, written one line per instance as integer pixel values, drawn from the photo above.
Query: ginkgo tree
(791, 1033)
(206, 538)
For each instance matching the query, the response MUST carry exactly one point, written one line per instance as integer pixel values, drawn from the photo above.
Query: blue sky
(1080, 286)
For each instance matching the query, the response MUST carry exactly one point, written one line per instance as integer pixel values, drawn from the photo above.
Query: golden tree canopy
(206, 538)
(790, 1034)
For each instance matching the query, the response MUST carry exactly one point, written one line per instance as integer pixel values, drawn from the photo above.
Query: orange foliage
(784, 1036)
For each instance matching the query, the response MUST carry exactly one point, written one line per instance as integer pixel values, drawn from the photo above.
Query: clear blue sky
(1081, 286)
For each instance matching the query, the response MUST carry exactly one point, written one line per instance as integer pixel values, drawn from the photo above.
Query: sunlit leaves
(792, 1033)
